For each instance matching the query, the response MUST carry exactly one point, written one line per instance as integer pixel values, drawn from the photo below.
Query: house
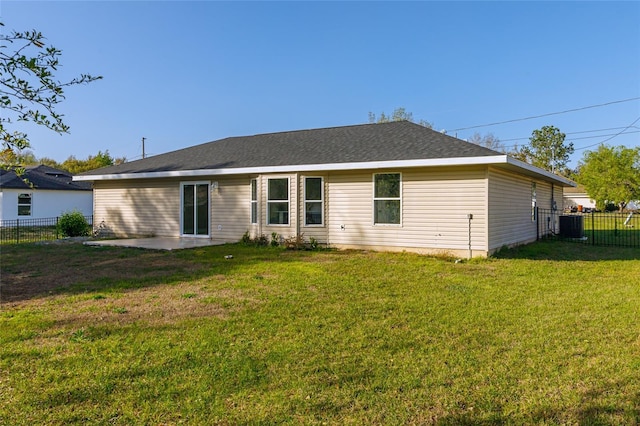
(577, 199)
(49, 193)
(391, 186)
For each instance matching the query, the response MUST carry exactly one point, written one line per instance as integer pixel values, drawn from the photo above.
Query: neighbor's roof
(366, 146)
(578, 190)
(42, 177)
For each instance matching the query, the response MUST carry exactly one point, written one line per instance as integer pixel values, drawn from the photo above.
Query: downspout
(469, 218)
(299, 212)
(327, 226)
(259, 197)
(553, 209)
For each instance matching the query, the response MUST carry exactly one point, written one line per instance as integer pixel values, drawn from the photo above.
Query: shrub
(246, 239)
(73, 224)
(611, 207)
(313, 243)
(295, 242)
(275, 239)
(259, 241)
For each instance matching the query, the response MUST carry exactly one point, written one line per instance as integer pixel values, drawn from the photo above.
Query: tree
(49, 162)
(29, 90)
(547, 150)
(611, 175)
(102, 159)
(488, 141)
(399, 114)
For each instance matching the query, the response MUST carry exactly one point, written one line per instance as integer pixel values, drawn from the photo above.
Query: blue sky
(184, 73)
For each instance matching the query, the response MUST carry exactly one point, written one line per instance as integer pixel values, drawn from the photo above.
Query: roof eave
(296, 168)
(540, 172)
(502, 159)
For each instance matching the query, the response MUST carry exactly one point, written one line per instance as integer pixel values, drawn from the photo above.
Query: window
(386, 198)
(278, 201)
(313, 201)
(534, 201)
(24, 204)
(195, 208)
(254, 200)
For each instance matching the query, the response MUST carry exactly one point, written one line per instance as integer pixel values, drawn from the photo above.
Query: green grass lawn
(544, 334)
(29, 233)
(619, 229)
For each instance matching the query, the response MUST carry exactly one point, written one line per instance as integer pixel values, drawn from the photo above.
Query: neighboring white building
(49, 193)
(577, 199)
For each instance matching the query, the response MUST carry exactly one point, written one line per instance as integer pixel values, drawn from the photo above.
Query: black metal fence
(596, 228)
(32, 230)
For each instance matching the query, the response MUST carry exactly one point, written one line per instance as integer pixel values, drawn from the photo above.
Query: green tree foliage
(611, 175)
(547, 150)
(399, 114)
(73, 165)
(102, 159)
(29, 89)
(73, 224)
(488, 141)
(49, 162)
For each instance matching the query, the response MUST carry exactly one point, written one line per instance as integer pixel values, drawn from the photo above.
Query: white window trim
(373, 204)
(305, 201)
(18, 204)
(534, 202)
(254, 203)
(199, 182)
(288, 201)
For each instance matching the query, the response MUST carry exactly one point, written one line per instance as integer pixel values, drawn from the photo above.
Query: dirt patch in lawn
(41, 271)
(158, 305)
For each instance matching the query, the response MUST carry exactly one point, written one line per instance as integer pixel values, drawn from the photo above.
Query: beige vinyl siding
(318, 232)
(544, 195)
(231, 208)
(284, 231)
(510, 207)
(152, 207)
(435, 205)
(548, 219)
(138, 207)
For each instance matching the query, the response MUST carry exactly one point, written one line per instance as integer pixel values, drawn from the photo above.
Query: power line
(602, 136)
(576, 139)
(612, 135)
(576, 133)
(547, 115)
(617, 134)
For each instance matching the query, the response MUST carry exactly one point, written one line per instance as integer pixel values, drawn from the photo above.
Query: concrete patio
(157, 243)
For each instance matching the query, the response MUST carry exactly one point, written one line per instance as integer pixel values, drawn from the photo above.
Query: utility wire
(547, 115)
(617, 134)
(612, 135)
(575, 139)
(583, 131)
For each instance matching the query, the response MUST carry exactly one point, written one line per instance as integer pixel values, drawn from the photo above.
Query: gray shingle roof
(42, 177)
(350, 144)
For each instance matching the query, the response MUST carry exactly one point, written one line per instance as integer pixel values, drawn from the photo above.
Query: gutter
(498, 160)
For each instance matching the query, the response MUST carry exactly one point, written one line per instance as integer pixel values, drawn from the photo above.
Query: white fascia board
(539, 171)
(460, 161)
(375, 165)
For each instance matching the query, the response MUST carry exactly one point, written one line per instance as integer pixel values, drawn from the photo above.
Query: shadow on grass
(38, 270)
(595, 408)
(625, 237)
(566, 250)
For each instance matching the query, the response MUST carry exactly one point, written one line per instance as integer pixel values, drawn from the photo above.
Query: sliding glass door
(195, 209)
